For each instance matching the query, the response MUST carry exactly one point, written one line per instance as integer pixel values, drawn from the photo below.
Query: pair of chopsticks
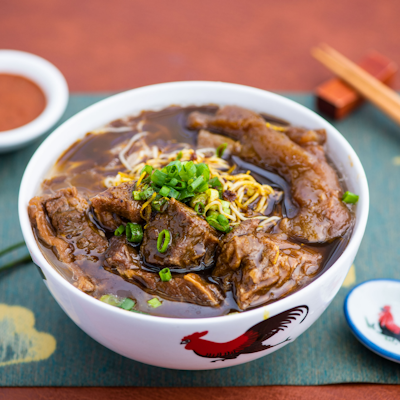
(376, 92)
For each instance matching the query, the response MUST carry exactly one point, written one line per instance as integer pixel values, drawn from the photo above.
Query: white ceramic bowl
(54, 86)
(157, 340)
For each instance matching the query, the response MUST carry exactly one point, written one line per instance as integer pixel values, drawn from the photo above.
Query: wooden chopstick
(382, 96)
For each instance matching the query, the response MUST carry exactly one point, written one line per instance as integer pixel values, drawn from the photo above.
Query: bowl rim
(273, 308)
(31, 66)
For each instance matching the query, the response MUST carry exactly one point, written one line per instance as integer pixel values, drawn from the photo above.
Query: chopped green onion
(179, 155)
(221, 149)
(173, 182)
(196, 183)
(158, 204)
(173, 168)
(185, 195)
(201, 197)
(127, 304)
(215, 183)
(120, 230)
(350, 198)
(222, 220)
(180, 185)
(188, 170)
(226, 206)
(165, 275)
(111, 300)
(214, 223)
(212, 195)
(173, 193)
(154, 302)
(159, 177)
(148, 169)
(202, 169)
(137, 195)
(134, 232)
(212, 214)
(199, 208)
(165, 191)
(147, 193)
(202, 188)
(164, 237)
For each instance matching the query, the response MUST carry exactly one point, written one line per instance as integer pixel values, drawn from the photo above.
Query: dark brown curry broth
(89, 160)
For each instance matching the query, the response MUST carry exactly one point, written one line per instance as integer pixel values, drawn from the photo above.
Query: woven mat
(41, 346)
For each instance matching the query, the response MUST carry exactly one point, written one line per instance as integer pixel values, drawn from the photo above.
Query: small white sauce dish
(372, 310)
(54, 86)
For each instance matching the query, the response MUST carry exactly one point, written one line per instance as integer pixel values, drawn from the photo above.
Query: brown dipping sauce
(21, 101)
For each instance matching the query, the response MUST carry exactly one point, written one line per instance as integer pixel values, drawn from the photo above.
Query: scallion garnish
(134, 232)
(137, 195)
(127, 304)
(215, 183)
(196, 183)
(350, 198)
(173, 193)
(147, 193)
(173, 168)
(165, 275)
(111, 300)
(185, 195)
(217, 225)
(159, 177)
(120, 230)
(221, 149)
(164, 191)
(188, 171)
(163, 240)
(179, 155)
(148, 169)
(199, 208)
(154, 302)
(204, 170)
(222, 220)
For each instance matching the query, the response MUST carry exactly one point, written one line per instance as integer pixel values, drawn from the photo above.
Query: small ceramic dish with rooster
(372, 310)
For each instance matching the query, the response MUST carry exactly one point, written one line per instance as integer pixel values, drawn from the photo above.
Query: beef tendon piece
(264, 267)
(117, 202)
(192, 244)
(62, 223)
(305, 137)
(189, 288)
(315, 187)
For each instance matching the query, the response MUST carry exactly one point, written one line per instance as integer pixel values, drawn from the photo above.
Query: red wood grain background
(112, 45)
(103, 45)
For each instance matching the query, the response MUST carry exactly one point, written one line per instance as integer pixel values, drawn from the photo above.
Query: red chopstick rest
(337, 99)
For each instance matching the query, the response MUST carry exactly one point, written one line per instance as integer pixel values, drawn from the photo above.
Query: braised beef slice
(314, 183)
(263, 267)
(61, 221)
(189, 288)
(192, 244)
(117, 202)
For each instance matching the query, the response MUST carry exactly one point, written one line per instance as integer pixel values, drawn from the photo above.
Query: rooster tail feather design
(250, 341)
(271, 326)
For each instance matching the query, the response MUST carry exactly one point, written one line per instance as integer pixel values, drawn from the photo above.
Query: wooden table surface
(121, 44)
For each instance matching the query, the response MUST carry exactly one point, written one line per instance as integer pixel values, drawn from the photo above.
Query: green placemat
(326, 353)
